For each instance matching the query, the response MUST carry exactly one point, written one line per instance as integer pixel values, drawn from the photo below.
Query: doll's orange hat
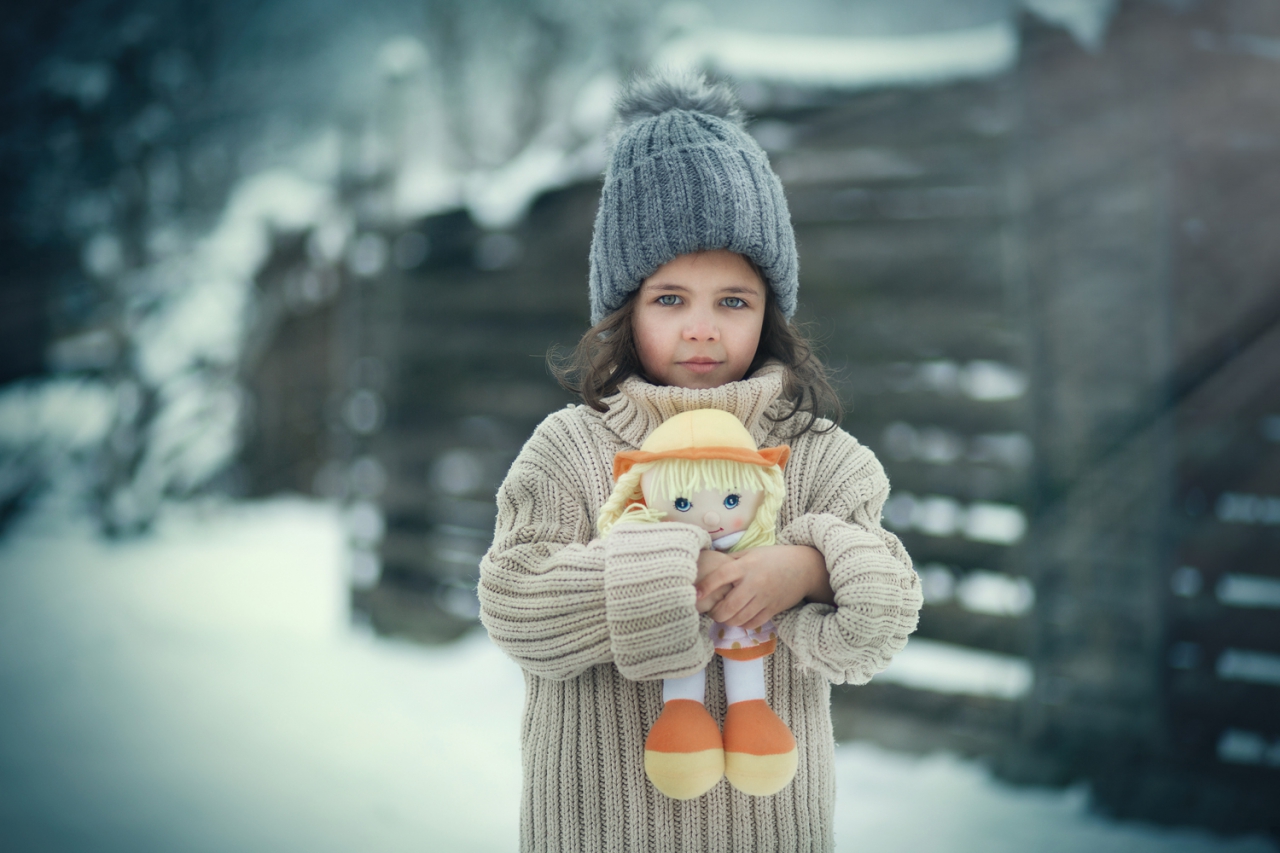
(701, 434)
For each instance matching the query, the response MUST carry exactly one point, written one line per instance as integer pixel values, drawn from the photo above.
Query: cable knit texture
(597, 623)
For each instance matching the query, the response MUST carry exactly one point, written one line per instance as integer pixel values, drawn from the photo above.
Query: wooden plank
(920, 720)
(902, 260)
(1217, 703)
(950, 623)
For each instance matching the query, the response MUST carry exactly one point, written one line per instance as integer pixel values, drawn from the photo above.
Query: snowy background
(180, 668)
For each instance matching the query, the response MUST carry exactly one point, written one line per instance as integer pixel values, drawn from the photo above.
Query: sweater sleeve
(558, 601)
(877, 593)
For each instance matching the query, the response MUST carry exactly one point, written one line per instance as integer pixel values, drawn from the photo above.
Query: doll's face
(719, 513)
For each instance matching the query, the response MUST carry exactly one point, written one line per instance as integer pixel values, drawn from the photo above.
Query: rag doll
(702, 468)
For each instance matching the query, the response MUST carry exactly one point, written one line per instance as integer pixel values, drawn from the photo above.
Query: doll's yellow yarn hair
(676, 477)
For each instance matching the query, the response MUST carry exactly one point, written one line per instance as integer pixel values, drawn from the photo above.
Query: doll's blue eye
(683, 504)
(731, 501)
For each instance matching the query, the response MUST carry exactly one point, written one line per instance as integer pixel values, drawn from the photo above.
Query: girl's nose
(711, 519)
(701, 328)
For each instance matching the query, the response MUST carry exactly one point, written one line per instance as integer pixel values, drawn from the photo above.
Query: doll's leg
(760, 752)
(691, 687)
(743, 680)
(684, 754)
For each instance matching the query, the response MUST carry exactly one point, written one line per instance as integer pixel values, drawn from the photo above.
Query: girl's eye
(669, 299)
(731, 501)
(734, 302)
(683, 504)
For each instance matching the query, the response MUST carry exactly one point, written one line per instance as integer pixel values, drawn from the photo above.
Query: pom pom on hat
(646, 97)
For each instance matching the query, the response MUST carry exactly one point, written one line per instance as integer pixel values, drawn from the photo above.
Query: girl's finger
(720, 595)
(709, 562)
(757, 621)
(724, 576)
(710, 599)
(708, 585)
(733, 607)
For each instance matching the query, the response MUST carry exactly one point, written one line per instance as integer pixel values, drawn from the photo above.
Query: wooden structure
(1053, 306)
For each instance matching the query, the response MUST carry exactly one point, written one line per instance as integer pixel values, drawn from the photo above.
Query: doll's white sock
(690, 687)
(743, 679)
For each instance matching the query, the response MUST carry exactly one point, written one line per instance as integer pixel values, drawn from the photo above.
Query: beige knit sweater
(597, 623)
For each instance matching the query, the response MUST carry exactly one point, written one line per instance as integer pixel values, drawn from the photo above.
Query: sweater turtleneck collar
(639, 407)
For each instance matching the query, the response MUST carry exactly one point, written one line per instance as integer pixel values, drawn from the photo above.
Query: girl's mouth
(699, 365)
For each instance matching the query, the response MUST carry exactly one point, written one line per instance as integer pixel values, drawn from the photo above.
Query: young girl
(693, 282)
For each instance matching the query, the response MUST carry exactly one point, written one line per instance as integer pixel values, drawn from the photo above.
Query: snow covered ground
(203, 689)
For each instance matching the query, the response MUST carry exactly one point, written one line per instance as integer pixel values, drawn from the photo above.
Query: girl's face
(719, 513)
(697, 319)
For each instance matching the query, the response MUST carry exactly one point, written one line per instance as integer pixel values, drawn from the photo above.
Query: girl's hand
(749, 588)
(708, 562)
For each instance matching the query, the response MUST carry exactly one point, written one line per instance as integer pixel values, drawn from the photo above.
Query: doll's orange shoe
(684, 755)
(760, 754)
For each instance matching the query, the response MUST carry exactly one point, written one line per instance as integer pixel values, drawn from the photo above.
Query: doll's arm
(559, 602)
(877, 593)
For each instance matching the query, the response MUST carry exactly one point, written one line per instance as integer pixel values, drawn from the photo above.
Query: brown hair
(606, 356)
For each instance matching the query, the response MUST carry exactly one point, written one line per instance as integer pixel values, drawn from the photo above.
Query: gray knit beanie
(684, 176)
